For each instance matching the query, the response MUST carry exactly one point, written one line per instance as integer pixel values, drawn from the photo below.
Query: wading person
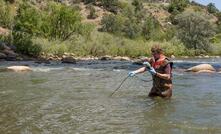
(161, 69)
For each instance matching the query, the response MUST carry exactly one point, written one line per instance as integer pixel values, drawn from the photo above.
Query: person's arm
(140, 70)
(167, 75)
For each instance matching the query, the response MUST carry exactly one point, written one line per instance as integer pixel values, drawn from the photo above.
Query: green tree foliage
(27, 24)
(195, 31)
(28, 20)
(132, 29)
(112, 23)
(219, 28)
(92, 14)
(212, 8)
(56, 22)
(89, 1)
(150, 28)
(63, 21)
(5, 14)
(111, 5)
(138, 5)
(177, 6)
(131, 23)
(10, 1)
(24, 44)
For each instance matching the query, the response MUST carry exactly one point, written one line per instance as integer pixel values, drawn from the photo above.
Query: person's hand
(132, 73)
(152, 71)
(147, 65)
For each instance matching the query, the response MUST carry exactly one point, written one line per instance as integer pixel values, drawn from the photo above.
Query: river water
(75, 99)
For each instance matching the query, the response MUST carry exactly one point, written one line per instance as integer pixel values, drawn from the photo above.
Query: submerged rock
(122, 58)
(201, 68)
(19, 68)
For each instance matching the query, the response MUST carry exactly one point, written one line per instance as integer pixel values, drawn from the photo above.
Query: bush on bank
(56, 28)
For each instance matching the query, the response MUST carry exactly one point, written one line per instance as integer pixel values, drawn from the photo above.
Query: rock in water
(19, 68)
(201, 67)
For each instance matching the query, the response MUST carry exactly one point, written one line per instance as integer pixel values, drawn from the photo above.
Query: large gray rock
(19, 68)
(3, 46)
(201, 68)
(2, 56)
(9, 53)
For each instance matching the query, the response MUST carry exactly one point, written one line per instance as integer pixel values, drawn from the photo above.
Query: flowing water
(75, 99)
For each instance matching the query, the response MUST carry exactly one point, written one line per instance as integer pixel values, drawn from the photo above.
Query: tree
(92, 14)
(28, 20)
(132, 29)
(212, 8)
(111, 5)
(195, 30)
(61, 21)
(89, 1)
(5, 14)
(150, 27)
(112, 23)
(138, 5)
(177, 6)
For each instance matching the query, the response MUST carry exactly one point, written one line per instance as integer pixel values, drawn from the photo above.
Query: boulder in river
(19, 68)
(122, 58)
(201, 68)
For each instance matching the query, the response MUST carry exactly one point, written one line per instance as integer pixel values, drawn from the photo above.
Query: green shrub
(138, 5)
(111, 5)
(211, 8)
(128, 11)
(150, 27)
(89, 1)
(219, 28)
(24, 44)
(5, 14)
(218, 15)
(194, 30)
(132, 29)
(92, 14)
(216, 39)
(28, 20)
(54, 47)
(216, 49)
(85, 30)
(10, 1)
(177, 6)
(63, 21)
(112, 23)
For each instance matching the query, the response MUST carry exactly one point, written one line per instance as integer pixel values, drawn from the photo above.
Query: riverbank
(8, 54)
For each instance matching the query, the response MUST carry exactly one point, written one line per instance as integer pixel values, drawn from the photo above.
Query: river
(75, 99)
